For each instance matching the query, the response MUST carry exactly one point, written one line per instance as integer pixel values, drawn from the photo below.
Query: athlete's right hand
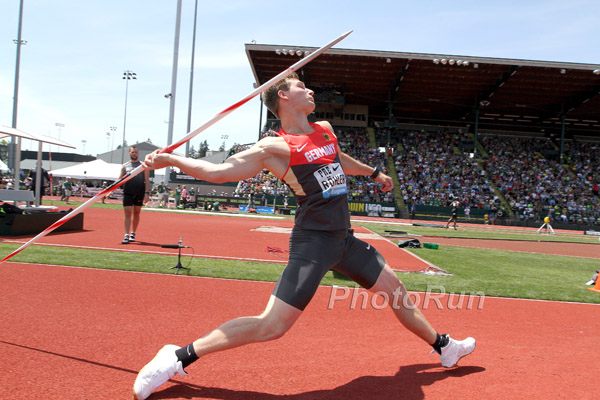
(156, 160)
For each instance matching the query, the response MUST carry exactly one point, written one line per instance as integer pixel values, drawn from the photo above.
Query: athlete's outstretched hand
(156, 160)
(386, 181)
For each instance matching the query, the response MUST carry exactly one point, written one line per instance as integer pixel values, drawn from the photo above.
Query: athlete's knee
(274, 328)
(388, 282)
(277, 319)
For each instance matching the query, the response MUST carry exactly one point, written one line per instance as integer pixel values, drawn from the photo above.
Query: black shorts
(314, 253)
(133, 199)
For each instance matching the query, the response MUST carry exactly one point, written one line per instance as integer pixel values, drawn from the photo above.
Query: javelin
(186, 138)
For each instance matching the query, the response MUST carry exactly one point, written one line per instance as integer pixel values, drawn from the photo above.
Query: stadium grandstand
(515, 140)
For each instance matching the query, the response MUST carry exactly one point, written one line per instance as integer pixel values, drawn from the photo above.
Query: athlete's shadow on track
(408, 383)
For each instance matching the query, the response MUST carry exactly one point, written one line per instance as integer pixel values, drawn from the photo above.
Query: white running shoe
(132, 237)
(455, 350)
(163, 367)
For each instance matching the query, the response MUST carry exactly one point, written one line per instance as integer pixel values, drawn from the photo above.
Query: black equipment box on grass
(28, 224)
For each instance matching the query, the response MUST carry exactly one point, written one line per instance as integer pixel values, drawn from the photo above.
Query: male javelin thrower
(306, 156)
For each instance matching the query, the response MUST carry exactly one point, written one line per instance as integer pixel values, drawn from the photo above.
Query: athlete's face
(300, 96)
(134, 154)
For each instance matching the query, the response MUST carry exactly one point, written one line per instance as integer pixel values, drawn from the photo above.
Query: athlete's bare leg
(405, 310)
(273, 323)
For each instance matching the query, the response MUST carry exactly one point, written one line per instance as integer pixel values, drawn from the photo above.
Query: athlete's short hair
(271, 95)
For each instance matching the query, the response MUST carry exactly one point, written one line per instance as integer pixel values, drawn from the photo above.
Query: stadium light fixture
(127, 76)
(452, 61)
(292, 52)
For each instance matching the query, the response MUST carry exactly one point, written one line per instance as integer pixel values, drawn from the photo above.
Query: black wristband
(375, 173)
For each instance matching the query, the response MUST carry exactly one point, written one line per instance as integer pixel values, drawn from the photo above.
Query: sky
(71, 71)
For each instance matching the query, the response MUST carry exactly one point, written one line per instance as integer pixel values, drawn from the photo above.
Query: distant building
(59, 160)
(114, 157)
(216, 157)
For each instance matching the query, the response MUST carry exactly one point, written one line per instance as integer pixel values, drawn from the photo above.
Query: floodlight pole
(16, 142)
(189, 119)
(127, 75)
(173, 84)
(260, 114)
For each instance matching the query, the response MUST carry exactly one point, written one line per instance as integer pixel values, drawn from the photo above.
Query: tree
(193, 152)
(203, 149)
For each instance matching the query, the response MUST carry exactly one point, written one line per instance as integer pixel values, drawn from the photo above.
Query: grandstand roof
(510, 94)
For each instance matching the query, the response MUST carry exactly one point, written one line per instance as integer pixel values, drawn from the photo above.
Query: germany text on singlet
(316, 177)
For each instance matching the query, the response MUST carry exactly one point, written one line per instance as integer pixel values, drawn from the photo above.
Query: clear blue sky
(77, 51)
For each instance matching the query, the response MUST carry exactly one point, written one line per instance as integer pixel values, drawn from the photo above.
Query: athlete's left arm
(354, 167)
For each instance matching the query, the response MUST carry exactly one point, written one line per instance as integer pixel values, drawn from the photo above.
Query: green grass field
(474, 271)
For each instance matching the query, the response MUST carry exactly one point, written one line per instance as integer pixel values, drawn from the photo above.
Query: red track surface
(69, 333)
(72, 333)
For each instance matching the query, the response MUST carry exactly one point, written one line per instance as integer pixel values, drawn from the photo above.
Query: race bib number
(332, 180)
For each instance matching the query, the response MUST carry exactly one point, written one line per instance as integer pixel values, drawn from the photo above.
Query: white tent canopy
(6, 131)
(3, 167)
(92, 170)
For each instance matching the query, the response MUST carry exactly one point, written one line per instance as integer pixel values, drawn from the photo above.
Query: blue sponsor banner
(259, 209)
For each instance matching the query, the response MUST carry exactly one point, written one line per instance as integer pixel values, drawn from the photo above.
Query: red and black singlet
(316, 177)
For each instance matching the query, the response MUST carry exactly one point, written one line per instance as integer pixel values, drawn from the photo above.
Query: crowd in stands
(355, 142)
(584, 158)
(535, 185)
(513, 174)
(432, 172)
(264, 183)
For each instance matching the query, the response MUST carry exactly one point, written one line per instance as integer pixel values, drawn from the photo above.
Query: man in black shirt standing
(135, 194)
